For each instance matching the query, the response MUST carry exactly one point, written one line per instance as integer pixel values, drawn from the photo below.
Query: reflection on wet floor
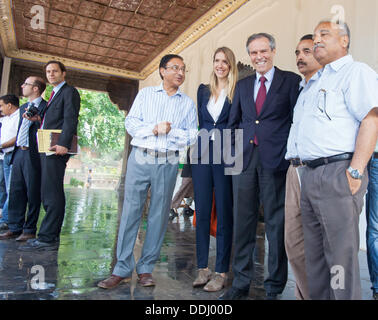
(86, 256)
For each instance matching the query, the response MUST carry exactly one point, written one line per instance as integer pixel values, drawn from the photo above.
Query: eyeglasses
(28, 84)
(176, 68)
(322, 102)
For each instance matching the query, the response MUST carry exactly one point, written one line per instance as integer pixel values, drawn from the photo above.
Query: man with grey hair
(336, 138)
(262, 107)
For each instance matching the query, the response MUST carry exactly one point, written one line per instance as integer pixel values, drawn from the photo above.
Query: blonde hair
(232, 75)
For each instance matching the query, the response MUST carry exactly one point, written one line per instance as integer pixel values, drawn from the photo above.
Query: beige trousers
(294, 240)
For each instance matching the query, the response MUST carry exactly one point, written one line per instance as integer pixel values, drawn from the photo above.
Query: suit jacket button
(215, 124)
(257, 121)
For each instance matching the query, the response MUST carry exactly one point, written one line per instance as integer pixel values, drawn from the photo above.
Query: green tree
(101, 124)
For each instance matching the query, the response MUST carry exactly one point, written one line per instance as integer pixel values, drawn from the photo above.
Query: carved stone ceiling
(124, 37)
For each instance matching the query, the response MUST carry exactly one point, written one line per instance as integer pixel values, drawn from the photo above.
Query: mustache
(318, 45)
(301, 63)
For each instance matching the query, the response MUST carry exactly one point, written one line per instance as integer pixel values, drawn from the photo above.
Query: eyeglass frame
(28, 84)
(177, 69)
(324, 109)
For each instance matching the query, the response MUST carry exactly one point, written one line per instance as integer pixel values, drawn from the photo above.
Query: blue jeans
(372, 223)
(7, 168)
(3, 190)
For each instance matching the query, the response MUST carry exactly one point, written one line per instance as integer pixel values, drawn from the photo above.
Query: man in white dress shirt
(9, 106)
(162, 121)
(336, 138)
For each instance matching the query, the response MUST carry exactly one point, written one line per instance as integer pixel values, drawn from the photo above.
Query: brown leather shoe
(9, 235)
(112, 282)
(145, 280)
(25, 237)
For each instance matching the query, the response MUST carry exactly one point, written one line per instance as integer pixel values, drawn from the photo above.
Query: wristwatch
(354, 173)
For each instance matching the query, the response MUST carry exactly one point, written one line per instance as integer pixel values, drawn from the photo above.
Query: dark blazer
(33, 147)
(63, 113)
(206, 121)
(272, 125)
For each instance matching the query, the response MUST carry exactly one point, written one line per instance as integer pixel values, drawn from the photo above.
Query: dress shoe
(216, 283)
(204, 276)
(188, 212)
(112, 282)
(25, 237)
(9, 235)
(234, 294)
(3, 226)
(271, 296)
(38, 245)
(375, 295)
(145, 280)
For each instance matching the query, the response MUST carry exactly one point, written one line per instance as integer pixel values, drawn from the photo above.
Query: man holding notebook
(62, 113)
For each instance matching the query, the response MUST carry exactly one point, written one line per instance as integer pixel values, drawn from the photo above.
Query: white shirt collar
(269, 75)
(161, 88)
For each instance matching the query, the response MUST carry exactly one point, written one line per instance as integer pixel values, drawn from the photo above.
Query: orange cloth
(213, 219)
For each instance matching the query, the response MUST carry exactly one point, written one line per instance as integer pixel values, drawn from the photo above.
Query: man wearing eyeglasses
(336, 138)
(25, 185)
(162, 121)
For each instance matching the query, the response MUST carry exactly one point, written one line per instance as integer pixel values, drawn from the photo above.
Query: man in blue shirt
(336, 138)
(162, 121)
(294, 241)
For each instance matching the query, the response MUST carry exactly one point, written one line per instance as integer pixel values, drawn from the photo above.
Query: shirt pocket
(330, 104)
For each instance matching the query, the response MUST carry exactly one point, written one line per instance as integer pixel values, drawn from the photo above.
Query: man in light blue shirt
(294, 240)
(162, 121)
(336, 138)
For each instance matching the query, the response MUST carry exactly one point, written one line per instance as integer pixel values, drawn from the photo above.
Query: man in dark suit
(62, 112)
(25, 185)
(262, 107)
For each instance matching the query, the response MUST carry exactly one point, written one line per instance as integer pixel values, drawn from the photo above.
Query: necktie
(23, 135)
(48, 102)
(260, 99)
(51, 96)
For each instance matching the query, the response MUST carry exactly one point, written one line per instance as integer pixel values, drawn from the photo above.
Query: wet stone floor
(87, 252)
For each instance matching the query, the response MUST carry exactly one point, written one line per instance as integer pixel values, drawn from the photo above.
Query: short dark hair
(166, 59)
(40, 84)
(272, 41)
(61, 65)
(307, 37)
(12, 99)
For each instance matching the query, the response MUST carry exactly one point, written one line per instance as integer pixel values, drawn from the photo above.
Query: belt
(9, 152)
(375, 155)
(24, 148)
(322, 161)
(297, 162)
(158, 154)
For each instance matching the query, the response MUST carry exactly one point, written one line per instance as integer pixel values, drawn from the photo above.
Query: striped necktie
(23, 135)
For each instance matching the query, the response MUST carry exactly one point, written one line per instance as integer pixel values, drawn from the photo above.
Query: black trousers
(253, 185)
(25, 191)
(53, 199)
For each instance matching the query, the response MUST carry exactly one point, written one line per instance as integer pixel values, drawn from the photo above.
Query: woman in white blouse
(214, 102)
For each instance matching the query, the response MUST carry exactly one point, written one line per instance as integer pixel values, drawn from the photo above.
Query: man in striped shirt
(162, 121)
